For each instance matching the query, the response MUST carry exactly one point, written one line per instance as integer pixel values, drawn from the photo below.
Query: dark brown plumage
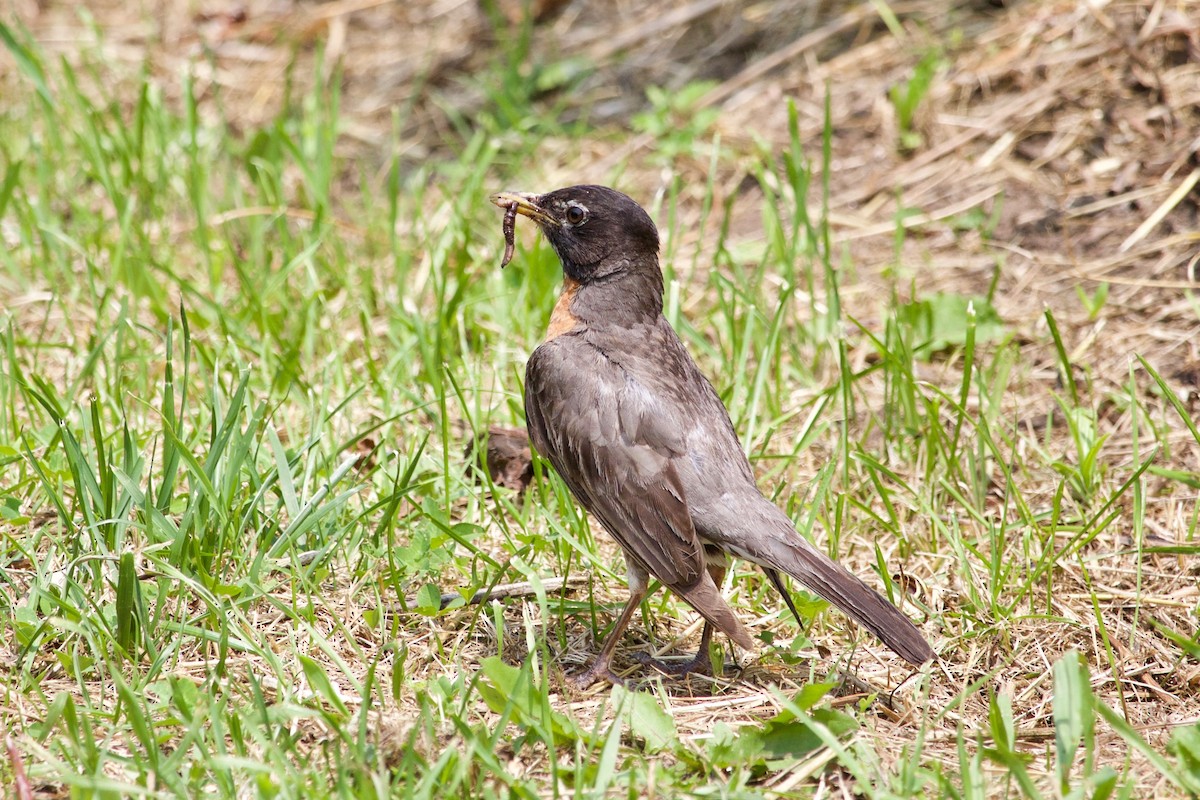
(622, 412)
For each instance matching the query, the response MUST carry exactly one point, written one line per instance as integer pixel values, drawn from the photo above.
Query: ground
(939, 262)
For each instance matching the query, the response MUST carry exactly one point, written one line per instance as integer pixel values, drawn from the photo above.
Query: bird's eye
(576, 214)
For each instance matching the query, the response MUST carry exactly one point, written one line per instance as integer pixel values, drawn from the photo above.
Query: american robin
(622, 412)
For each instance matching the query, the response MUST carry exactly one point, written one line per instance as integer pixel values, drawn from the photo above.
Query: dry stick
(500, 591)
(1161, 212)
(1098, 270)
(1105, 203)
(1152, 20)
(343, 7)
(917, 220)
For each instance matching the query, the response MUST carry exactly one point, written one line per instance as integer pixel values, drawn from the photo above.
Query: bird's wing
(602, 432)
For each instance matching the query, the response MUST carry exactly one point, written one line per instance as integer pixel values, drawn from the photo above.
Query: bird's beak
(527, 204)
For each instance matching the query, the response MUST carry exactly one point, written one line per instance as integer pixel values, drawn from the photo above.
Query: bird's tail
(706, 598)
(794, 555)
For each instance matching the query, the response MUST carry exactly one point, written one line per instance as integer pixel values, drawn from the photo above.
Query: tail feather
(781, 587)
(706, 598)
(803, 562)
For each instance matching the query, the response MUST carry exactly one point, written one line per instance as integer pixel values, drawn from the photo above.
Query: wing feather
(599, 429)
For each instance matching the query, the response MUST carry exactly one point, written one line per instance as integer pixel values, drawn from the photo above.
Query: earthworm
(510, 224)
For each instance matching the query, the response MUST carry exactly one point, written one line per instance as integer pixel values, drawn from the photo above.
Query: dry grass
(1077, 125)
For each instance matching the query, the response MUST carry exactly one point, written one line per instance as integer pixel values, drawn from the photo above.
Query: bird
(617, 405)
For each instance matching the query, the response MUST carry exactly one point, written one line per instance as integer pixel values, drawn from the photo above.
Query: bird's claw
(701, 664)
(596, 672)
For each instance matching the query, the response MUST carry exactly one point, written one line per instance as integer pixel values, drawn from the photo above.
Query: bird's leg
(702, 661)
(601, 668)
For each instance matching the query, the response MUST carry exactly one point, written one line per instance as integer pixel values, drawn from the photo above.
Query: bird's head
(597, 232)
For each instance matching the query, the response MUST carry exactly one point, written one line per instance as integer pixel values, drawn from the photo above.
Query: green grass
(237, 376)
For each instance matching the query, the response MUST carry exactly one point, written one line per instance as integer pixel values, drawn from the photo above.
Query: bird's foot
(700, 664)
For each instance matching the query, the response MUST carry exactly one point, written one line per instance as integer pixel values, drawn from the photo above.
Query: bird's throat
(562, 319)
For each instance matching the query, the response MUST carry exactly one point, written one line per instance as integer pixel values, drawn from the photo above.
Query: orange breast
(561, 318)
